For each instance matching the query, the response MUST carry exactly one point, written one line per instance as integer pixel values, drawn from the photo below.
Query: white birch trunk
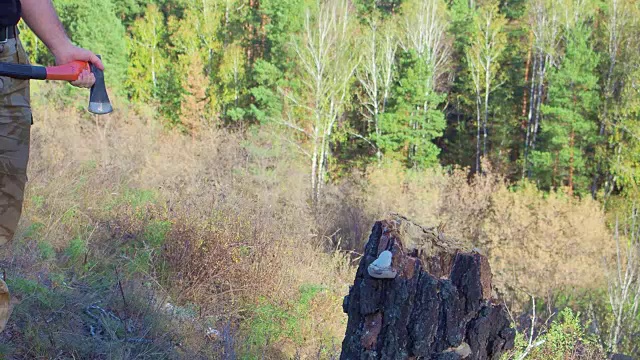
(326, 66)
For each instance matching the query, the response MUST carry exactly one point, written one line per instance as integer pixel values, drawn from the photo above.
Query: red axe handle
(99, 102)
(68, 72)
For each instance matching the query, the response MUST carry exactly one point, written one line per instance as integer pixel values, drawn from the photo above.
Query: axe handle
(24, 72)
(68, 72)
(99, 102)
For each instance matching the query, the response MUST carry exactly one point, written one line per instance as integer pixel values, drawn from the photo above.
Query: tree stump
(438, 306)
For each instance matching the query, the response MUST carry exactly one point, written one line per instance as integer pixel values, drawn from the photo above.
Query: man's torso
(10, 12)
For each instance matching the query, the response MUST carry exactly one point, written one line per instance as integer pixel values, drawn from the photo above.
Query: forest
(255, 142)
(545, 90)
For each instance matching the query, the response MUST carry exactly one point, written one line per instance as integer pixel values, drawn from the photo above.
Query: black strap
(8, 32)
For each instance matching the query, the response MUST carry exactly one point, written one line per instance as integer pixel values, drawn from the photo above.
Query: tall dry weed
(241, 233)
(538, 243)
(244, 243)
(541, 243)
(466, 202)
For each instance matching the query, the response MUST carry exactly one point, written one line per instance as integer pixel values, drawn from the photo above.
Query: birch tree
(623, 122)
(146, 54)
(376, 73)
(416, 120)
(624, 282)
(574, 13)
(326, 64)
(617, 25)
(425, 29)
(195, 43)
(482, 58)
(544, 21)
(232, 79)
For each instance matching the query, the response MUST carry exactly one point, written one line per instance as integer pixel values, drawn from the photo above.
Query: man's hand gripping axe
(99, 102)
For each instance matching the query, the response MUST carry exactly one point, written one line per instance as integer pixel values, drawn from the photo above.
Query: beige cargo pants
(15, 130)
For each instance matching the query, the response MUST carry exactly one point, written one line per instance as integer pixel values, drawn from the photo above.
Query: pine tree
(280, 20)
(544, 22)
(130, 10)
(93, 24)
(461, 25)
(570, 129)
(194, 101)
(38, 52)
(383, 7)
(408, 129)
(460, 132)
(194, 50)
(414, 120)
(267, 105)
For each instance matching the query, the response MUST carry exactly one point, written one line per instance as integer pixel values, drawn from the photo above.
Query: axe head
(99, 102)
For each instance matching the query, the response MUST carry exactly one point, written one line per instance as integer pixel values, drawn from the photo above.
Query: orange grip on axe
(99, 102)
(68, 72)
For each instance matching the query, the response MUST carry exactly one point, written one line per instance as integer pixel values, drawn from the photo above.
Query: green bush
(156, 233)
(273, 322)
(77, 248)
(47, 252)
(566, 338)
(34, 294)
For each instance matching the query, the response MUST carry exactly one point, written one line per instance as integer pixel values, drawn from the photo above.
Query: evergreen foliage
(539, 93)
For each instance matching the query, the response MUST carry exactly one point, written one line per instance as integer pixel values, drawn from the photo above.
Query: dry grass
(545, 243)
(219, 227)
(538, 243)
(209, 224)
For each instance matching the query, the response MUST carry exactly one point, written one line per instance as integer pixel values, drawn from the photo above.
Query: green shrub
(156, 232)
(566, 338)
(77, 248)
(34, 230)
(34, 293)
(136, 199)
(273, 322)
(47, 252)
(37, 201)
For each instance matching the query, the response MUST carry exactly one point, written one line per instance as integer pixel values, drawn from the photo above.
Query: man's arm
(42, 19)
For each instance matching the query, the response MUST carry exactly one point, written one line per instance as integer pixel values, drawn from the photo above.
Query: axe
(99, 102)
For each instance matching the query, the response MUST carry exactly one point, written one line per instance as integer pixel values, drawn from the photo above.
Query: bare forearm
(41, 17)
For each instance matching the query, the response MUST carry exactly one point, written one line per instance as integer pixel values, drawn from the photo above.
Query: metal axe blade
(99, 102)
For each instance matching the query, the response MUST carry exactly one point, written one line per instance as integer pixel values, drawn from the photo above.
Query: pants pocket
(23, 57)
(15, 94)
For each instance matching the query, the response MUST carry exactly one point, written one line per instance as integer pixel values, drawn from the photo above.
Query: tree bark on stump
(437, 307)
